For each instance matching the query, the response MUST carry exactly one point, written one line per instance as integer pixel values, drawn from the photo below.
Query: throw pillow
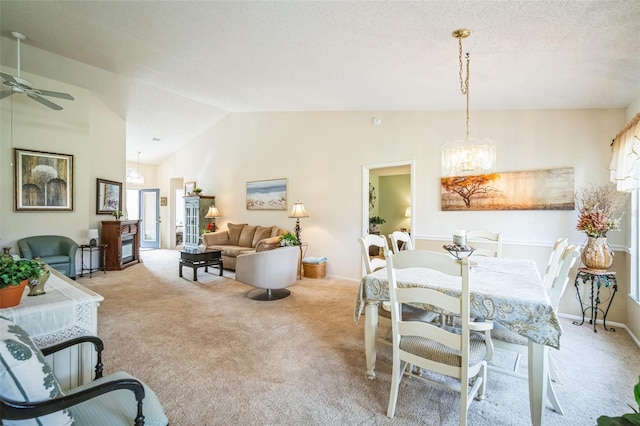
(234, 232)
(262, 232)
(246, 236)
(25, 375)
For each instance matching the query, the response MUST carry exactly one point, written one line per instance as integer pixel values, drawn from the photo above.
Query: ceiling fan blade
(55, 94)
(44, 101)
(5, 93)
(8, 77)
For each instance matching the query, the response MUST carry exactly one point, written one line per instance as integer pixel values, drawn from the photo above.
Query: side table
(99, 248)
(596, 279)
(303, 252)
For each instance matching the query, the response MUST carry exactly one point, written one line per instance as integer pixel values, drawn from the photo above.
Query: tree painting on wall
(530, 190)
(43, 181)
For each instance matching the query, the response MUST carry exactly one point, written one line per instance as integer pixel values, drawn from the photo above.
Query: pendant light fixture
(470, 156)
(134, 177)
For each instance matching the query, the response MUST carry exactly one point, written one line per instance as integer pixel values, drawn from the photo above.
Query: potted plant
(599, 211)
(374, 224)
(37, 282)
(629, 419)
(197, 191)
(15, 273)
(288, 239)
(117, 214)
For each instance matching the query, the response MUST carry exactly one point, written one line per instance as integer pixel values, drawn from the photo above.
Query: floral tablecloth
(508, 291)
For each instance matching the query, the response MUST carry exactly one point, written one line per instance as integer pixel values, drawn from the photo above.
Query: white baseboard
(615, 325)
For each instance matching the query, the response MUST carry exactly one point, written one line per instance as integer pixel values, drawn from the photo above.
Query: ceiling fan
(20, 85)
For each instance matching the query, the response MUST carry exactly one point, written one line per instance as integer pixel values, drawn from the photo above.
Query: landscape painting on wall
(531, 190)
(43, 181)
(267, 194)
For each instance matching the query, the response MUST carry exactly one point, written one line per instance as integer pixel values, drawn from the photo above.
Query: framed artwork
(530, 190)
(43, 181)
(109, 196)
(189, 187)
(267, 194)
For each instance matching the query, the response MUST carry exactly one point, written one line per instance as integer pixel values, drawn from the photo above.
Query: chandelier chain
(464, 83)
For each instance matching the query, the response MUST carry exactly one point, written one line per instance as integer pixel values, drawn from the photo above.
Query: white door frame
(366, 169)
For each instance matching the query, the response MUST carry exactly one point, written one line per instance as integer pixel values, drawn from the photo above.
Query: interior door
(150, 218)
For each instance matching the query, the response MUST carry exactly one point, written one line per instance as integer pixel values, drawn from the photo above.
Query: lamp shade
(213, 212)
(93, 233)
(407, 212)
(298, 210)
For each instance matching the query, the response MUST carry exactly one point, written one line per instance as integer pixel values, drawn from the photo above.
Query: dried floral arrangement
(600, 208)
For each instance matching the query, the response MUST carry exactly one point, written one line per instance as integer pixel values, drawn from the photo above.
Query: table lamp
(212, 214)
(93, 237)
(298, 211)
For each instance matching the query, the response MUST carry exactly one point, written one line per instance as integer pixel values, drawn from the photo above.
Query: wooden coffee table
(195, 259)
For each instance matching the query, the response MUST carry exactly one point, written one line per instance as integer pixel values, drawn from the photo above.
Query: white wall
(322, 153)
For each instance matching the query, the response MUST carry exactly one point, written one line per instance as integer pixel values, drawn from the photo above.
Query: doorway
(388, 191)
(150, 215)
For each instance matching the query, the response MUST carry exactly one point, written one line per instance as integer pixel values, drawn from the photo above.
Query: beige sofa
(241, 238)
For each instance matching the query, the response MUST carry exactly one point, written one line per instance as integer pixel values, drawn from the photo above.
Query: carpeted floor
(215, 357)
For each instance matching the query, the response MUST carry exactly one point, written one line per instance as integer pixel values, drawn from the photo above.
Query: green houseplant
(14, 275)
(288, 239)
(374, 224)
(630, 419)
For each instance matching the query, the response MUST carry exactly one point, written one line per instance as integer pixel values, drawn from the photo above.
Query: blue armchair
(56, 251)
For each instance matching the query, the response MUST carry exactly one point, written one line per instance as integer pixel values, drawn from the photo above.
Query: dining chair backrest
(483, 236)
(568, 259)
(370, 240)
(445, 350)
(400, 241)
(554, 261)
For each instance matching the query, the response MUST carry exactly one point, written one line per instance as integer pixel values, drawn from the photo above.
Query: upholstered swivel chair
(30, 391)
(271, 271)
(56, 251)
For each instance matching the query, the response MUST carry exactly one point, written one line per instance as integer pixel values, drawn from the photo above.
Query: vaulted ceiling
(174, 68)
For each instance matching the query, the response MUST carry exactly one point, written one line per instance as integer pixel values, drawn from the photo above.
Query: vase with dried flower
(600, 209)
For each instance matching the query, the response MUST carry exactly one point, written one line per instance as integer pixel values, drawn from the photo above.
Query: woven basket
(315, 270)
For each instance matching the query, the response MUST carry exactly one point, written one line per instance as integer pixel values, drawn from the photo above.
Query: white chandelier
(469, 156)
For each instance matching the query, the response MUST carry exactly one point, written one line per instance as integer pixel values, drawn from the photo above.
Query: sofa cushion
(246, 236)
(276, 232)
(234, 251)
(262, 232)
(234, 232)
(268, 244)
(25, 376)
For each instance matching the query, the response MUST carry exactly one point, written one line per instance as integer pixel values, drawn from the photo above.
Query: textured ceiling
(173, 68)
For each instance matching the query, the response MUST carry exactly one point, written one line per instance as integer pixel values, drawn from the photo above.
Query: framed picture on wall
(267, 194)
(189, 187)
(43, 181)
(108, 196)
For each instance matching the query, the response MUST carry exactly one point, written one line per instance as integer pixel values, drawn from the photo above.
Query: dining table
(508, 291)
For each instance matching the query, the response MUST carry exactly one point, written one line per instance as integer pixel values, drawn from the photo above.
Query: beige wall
(322, 154)
(86, 129)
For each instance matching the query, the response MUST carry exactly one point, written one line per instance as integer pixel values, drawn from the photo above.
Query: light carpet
(215, 357)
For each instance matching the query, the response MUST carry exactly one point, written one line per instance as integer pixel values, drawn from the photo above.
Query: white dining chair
(458, 353)
(553, 263)
(372, 265)
(400, 240)
(505, 339)
(489, 238)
